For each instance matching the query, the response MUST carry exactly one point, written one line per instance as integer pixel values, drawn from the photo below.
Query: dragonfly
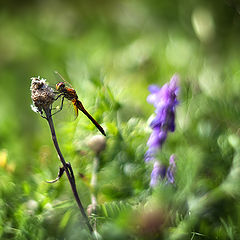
(70, 94)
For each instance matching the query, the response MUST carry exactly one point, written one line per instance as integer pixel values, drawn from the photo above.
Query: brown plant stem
(67, 169)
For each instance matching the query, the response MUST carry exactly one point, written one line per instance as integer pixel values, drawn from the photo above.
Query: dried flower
(97, 143)
(149, 222)
(42, 95)
(164, 100)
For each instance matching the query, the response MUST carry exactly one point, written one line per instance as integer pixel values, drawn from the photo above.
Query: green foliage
(110, 210)
(111, 51)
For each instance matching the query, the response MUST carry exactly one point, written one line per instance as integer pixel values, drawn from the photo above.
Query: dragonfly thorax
(67, 92)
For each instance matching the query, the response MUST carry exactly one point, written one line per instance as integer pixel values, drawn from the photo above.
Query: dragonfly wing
(61, 77)
(66, 112)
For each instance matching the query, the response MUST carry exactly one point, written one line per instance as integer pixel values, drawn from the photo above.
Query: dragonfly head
(60, 86)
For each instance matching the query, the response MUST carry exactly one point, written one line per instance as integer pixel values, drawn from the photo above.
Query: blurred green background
(111, 51)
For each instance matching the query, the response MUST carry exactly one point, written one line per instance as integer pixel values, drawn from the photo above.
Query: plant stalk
(94, 186)
(67, 169)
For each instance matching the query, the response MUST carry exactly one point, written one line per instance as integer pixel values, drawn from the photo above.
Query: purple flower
(158, 171)
(171, 169)
(164, 100)
(157, 138)
(162, 172)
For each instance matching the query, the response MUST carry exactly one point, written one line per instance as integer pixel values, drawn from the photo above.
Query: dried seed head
(97, 143)
(151, 223)
(42, 95)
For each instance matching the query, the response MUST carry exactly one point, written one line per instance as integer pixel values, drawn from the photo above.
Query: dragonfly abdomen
(79, 105)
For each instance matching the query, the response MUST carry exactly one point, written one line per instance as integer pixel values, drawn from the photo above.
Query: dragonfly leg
(60, 95)
(41, 114)
(61, 106)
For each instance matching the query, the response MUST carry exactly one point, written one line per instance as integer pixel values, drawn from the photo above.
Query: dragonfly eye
(60, 86)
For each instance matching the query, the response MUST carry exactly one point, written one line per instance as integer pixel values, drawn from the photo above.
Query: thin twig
(67, 168)
(94, 185)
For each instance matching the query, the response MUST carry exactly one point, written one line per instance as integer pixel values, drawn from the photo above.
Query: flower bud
(97, 143)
